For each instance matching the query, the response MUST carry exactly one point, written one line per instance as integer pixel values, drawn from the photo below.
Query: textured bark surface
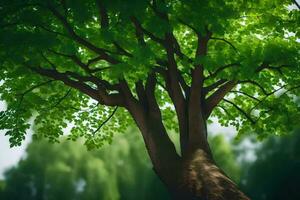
(205, 181)
(193, 176)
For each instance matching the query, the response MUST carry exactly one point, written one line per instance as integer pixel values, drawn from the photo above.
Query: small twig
(241, 110)
(103, 123)
(297, 4)
(62, 98)
(219, 69)
(226, 41)
(244, 93)
(266, 96)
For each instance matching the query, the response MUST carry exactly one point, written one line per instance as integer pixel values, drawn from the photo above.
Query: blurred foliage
(122, 170)
(68, 171)
(2, 187)
(225, 157)
(275, 174)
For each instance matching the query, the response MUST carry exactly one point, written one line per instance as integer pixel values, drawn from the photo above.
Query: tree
(68, 171)
(166, 64)
(275, 172)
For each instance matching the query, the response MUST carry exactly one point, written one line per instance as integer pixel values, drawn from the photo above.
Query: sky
(9, 156)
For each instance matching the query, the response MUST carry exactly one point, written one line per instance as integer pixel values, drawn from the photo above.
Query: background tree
(275, 172)
(73, 61)
(68, 171)
(118, 171)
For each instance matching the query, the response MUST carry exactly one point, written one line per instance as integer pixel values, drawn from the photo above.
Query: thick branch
(103, 14)
(188, 25)
(99, 95)
(213, 86)
(213, 100)
(202, 44)
(150, 92)
(140, 29)
(160, 148)
(197, 128)
(175, 92)
(140, 90)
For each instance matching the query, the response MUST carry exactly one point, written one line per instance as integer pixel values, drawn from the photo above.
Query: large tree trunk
(202, 179)
(197, 177)
(193, 176)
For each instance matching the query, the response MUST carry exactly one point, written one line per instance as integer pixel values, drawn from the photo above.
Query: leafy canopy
(58, 57)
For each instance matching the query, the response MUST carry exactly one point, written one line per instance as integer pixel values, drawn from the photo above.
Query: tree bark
(196, 177)
(203, 180)
(193, 177)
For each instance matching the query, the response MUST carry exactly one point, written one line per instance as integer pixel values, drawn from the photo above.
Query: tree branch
(36, 86)
(160, 14)
(68, 27)
(213, 86)
(219, 69)
(150, 93)
(202, 44)
(105, 121)
(256, 84)
(265, 65)
(267, 95)
(104, 21)
(175, 92)
(140, 29)
(140, 90)
(82, 65)
(244, 93)
(226, 41)
(225, 110)
(186, 24)
(29, 90)
(62, 98)
(241, 110)
(213, 100)
(121, 50)
(52, 31)
(296, 3)
(100, 94)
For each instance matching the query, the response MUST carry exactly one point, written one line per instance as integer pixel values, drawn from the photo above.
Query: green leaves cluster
(248, 34)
